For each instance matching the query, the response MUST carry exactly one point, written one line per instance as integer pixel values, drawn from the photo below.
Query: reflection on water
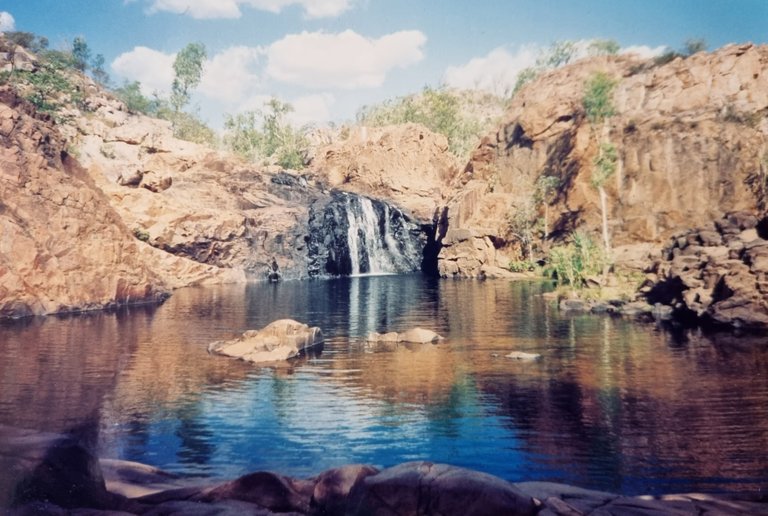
(611, 405)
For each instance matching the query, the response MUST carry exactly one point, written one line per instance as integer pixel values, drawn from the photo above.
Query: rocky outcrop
(278, 341)
(63, 477)
(690, 139)
(63, 247)
(414, 335)
(717, 273)
(407, 165)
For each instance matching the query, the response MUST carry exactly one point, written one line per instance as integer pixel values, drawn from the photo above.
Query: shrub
(572, 264)
(598, 97)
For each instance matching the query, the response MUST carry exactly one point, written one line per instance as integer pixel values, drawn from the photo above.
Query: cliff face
(691, 145)
(62, 247)
(407, 164)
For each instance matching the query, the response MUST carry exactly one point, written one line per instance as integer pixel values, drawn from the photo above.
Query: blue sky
(329, 57)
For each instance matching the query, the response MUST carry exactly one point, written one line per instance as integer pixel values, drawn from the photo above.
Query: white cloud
(643, 51)
(152, 68)
(311, 108)
(231, 75)
(205, 9)
(345, 60)
(7, 23)
(495, 72)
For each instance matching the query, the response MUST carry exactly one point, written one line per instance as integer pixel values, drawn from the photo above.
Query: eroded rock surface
(278, 341)
(690, 136)
(717, 273)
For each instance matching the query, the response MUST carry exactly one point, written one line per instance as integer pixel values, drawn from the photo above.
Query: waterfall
(354, 235)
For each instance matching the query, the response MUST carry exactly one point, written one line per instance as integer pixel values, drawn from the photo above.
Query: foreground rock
(717, 273)
(278, 341)
(414, 335)
(56, 474)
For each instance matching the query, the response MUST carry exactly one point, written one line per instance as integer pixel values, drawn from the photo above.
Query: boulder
(278, 341)
(414, 335)
(265, 489)
(522, 355)
(332, 487)
(427, 488)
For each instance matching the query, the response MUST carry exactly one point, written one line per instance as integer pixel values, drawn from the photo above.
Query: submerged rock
(415, 335)
(278, 341)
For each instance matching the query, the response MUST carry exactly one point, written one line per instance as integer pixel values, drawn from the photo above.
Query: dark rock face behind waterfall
(351, 234)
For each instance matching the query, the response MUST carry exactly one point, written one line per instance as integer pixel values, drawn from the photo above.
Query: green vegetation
(440, 110)
(267, 135)
(575, 263)
(188, 70)
(561, 53)
(598, 106)
(598, 97)
(690, 46)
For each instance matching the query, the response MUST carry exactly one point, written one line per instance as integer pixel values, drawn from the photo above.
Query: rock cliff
(63, 247)
(691, 145)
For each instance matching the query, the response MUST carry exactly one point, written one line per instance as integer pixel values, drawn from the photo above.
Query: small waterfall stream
(354, 235)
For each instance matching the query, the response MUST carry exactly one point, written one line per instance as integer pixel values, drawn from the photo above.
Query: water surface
(612, 404)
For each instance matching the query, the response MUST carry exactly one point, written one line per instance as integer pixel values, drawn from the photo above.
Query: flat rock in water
(521, 355)
(415, 335)
(278, 341)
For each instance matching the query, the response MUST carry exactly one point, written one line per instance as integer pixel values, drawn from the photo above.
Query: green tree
(694, 45)
(546, 188)
(188, 70)
(266, 134)
(130, 94)
(81, 54)
(603, 47)
(559, 53)
(97, 70)
(524, 77)
(598, 105)
(598, 97)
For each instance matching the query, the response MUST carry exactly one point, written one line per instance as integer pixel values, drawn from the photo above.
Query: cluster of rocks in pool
(55, 475)
(716, 274)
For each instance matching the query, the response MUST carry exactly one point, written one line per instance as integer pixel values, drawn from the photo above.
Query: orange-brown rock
(63, 247)
(406, 164)
(690, 137)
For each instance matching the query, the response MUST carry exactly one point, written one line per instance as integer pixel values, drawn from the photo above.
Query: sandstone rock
(407, 165)
(414, 335)
(332, 487)
(426, 488)
(522, 355)
(673, 140)
(278, 341)
(265, 489)
(63, 246)
(50, 468)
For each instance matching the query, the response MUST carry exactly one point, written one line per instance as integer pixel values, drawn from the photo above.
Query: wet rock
(427, 488)
(332, 487)
(50, 468)
(278, 341)
(523, 356)
(264, 489)
(414, 335)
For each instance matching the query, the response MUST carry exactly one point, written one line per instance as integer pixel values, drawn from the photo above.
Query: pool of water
(612, 404)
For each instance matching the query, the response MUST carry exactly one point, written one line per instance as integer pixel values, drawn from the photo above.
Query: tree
(559, 53)
(81, 54)
(597, 99)
(603, 47)
(694, 45)
(598, 105)
(97, 70)
(546, 186)
(266, 134)
(188, 70)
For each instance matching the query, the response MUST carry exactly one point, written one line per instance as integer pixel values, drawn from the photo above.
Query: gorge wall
(691, 142)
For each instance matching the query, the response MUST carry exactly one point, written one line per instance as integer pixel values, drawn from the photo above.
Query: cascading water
(354, 235)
